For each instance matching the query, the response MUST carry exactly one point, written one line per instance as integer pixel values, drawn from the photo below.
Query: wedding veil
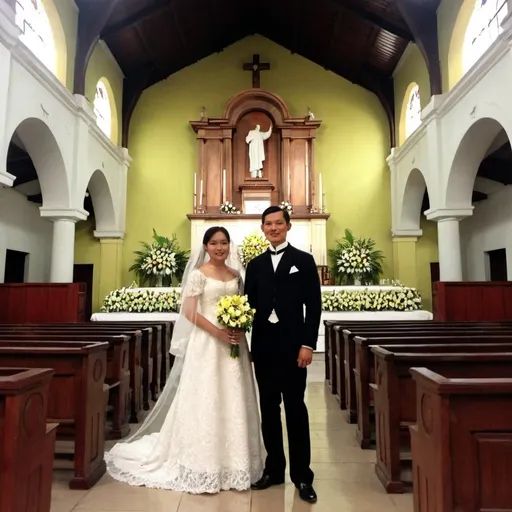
(183, 329)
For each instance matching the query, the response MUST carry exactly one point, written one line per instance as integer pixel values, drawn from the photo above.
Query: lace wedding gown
(210, 440)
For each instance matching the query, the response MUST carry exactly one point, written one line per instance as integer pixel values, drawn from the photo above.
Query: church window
(413, 114)
(483, 29)
(102, 109)
(36, 32)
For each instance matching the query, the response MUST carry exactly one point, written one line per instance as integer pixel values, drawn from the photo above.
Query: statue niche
(224, 164)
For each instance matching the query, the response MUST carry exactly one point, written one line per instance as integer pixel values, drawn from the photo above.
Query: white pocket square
(294, 269)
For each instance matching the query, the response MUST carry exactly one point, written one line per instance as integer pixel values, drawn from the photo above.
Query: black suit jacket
(286, 293)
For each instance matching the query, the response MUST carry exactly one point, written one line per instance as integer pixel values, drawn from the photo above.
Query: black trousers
(280, 378)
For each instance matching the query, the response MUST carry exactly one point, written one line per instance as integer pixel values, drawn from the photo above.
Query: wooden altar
(288, 172)
(223, 157)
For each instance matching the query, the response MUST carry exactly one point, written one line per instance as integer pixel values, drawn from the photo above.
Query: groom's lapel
(267, 264)
(286, 263)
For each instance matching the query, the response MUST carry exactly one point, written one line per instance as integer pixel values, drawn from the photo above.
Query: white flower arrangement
(160, 261)
(404, 299)
(285, 205)
(354, 260)
(235, 312)
(252, 246)
(229, 209)
(124, 301)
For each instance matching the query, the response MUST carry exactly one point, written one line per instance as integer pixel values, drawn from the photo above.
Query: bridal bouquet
(235, 312)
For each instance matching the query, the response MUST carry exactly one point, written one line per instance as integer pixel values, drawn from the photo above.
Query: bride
(203, 435)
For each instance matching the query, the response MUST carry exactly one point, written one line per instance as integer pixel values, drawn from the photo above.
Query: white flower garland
(124, 301)
(405, 299)
(146, 301)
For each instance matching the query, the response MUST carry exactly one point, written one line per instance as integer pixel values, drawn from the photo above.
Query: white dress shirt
(276, 258)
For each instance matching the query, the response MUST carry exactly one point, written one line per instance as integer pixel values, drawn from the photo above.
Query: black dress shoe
(265, 482)
(307, 493)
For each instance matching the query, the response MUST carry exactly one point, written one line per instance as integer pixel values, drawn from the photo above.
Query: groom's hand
(305, 357)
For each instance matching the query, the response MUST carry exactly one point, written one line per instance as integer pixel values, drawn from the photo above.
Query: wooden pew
(395, 394)
(138, 364)
(166, 335)
(462, 443)
(26, 453)
(345, 349)
(77, 400)
(364, 360)
(118, 372)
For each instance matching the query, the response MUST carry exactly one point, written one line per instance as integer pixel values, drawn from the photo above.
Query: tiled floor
(344, 477)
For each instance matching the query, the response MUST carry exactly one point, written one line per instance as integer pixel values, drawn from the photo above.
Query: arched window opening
(483, 29)
(413, 113)
(36, 31)
(102, 109)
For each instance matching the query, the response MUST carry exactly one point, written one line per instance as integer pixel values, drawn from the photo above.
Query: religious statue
(310, 116)
(255, 140)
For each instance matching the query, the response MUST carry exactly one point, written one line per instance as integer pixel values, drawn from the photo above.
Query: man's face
(275, 228)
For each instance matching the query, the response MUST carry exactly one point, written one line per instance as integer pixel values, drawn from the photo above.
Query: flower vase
(159, 281)
(357, 281)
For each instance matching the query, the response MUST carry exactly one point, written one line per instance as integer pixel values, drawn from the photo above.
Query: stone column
(405, 267)
(63, 245)
(111, 261)
(9, 33)
(448, 239)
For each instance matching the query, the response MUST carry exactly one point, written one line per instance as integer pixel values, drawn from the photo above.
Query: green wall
(351, 148)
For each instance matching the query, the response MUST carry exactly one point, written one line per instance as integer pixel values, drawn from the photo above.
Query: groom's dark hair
(275, 209)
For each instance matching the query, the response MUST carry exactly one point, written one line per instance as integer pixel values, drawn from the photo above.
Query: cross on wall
(256, 66)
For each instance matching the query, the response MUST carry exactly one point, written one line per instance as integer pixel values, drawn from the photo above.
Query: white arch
(103, 201)
(410, 199)
(469, 153)
(46, 156)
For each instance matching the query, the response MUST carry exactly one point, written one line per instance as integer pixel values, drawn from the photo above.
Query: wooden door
(84, 274)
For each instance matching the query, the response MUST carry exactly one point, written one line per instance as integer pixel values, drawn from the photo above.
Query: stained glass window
(102, 109)
(36, 31)
(483, 29)
(413, 114)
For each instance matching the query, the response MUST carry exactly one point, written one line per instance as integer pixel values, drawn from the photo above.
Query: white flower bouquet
(229, 209)
(252, 246)
(285, 205)
(235, 312)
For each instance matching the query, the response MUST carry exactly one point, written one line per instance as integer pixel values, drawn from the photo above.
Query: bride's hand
(229, 336)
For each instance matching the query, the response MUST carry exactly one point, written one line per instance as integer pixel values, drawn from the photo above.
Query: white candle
(223, 185)
(307, 185)
(195, 190)
(320, 191)
(289, 187)
(201, 193)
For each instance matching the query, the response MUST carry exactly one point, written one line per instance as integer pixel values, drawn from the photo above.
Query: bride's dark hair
(213, 231)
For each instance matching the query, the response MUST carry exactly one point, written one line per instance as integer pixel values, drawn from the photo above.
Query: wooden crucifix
(256, 66)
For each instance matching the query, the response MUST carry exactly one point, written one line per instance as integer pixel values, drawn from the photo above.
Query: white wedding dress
(210, 439)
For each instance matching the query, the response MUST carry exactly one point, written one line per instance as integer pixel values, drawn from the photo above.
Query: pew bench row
(97, 370)
(370, 368)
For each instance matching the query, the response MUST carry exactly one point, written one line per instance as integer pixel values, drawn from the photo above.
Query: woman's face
(218, 247)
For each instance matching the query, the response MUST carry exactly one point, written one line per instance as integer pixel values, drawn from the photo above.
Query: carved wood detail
(221, 145)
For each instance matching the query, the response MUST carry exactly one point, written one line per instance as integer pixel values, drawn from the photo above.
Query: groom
(279, 283)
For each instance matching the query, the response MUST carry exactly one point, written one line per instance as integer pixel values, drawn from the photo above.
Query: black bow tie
(275, 253)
